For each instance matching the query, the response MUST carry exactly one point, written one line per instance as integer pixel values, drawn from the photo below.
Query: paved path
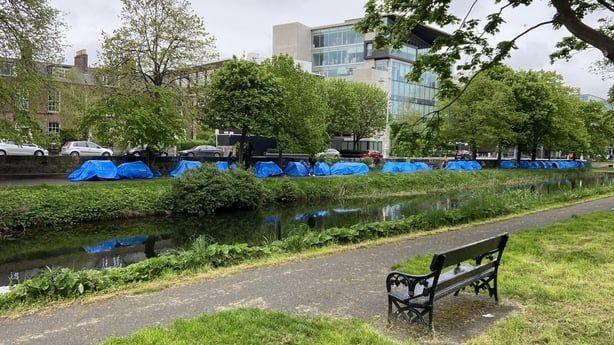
(343, 284)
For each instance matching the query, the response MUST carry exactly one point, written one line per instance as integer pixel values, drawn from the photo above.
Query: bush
(284, 192)
(188, 144)
(207, 190)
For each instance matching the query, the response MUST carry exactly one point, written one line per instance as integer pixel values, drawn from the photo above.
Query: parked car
(142, 151)
(10, 148)
(202, 151)
(373, 154)
(85, 148)
(329, 153)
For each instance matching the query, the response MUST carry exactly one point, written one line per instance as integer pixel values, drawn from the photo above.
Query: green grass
(27, 207)
(563, 276)
(253, 326)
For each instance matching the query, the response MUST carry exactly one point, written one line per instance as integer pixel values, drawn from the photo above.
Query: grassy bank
(562, 276)
(29, 207)
(64, 283)
(253, 326)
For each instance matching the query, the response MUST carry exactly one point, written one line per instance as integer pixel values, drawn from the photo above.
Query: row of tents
(506, 164)
(106, 170)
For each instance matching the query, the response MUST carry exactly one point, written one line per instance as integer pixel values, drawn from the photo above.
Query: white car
(85, 148)
(329, 153)
(10, 148)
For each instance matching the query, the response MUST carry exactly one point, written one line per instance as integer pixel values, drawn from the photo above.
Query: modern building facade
(588, 98)
(339, 51)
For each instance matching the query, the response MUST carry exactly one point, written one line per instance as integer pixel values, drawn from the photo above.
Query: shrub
(186, 145)
(285, 191)
(208, 190)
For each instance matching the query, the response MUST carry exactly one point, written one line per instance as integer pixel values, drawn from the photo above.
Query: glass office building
(336, 51)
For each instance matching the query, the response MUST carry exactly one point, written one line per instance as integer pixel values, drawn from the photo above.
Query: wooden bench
(413, 296)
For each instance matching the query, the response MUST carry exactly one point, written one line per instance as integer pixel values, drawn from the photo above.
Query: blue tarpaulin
(347, 168)
(463, 166)
(223, 166)
(507, 165)
(421, 166)
(267, 169)
(398, 167)
(321, 169)
(134, 170)
(95, 170)
(296, 169)
(184, 166)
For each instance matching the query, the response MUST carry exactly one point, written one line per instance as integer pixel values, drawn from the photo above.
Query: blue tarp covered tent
(184, 166)
(297, 169)
(267, 169)
(507, 165)
(223, 166)
(398, 167)
(95, 170)
(421, 166)
(463, 166)
(134, 170)
(531, 165)
(346, 168)
(321, 169)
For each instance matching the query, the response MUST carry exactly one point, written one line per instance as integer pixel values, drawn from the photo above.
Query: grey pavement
(345, 284)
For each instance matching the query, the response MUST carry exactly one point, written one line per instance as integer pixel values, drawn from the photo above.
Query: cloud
(242, 26)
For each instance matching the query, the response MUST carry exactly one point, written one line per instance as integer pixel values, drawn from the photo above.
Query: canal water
(123, 242)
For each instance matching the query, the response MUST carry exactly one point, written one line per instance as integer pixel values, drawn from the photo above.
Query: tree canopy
(157, 41)
(469, 47)
(244, 97)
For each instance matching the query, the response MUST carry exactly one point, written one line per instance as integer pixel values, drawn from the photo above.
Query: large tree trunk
(518, 153)
(242, 144)
(499, 154)
(567, 17)
(534, 153)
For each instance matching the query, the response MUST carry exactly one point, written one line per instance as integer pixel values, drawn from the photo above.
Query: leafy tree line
(503, 108)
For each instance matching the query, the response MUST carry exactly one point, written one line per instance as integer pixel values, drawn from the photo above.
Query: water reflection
(121, 243)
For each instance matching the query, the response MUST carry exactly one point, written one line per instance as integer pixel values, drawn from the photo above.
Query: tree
(129, 118)
(611, 94)
(472, 37)
(300, 124)
(30, 33)
(355, 109)
(484, 116)
(599, 124)
(410, 136)
(242, 96)
(155, 42)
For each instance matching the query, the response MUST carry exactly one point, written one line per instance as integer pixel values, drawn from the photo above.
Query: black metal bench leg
(431, 328)
(389, 309)
(495, 291)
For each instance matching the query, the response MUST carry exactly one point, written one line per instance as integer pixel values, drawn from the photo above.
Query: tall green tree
(484, 116)
(611, 95)
(242, 96)
(412, 136)
(131, 118)
(356, 109)
(599, 124)
(157, 40)
(300, 124)
(474, 37)
(31, 32)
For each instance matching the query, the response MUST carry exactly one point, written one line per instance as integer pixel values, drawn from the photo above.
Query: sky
(246, 26)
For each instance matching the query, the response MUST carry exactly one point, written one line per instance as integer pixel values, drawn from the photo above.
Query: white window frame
(54, 100)
(56, 128)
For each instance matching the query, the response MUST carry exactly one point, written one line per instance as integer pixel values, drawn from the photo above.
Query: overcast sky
(243, 26)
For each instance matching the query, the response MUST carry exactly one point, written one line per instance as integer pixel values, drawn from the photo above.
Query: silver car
(10, 148)
(329, 153)
(85, 148)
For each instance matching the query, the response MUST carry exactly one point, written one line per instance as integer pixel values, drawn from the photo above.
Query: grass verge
(27, 207)
(562, 276)
(253, 326)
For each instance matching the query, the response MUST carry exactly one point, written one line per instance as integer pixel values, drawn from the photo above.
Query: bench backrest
(469, 251)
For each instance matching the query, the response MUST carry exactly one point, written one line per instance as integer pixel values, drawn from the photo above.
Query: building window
(7, 68)
(53, 104)
(59, 72)
(53, 127)
(369, 49)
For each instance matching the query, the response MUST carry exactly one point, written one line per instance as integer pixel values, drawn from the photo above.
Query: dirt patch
(457, 319)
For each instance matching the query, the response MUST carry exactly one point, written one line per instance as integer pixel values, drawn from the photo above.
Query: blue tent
(507, 165)
(134, 170)
(267, 169)
(321, 169)
(184, 166)
(95, 170)
(421, 166)
(398, 167)
(463, 166)
(296, 169)
(223, 166)
(346, 168)
(531, 165)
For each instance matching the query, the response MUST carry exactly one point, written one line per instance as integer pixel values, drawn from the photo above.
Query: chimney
(81, 60)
